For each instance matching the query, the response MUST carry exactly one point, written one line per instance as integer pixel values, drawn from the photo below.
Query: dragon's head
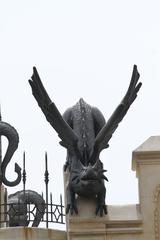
(90, 174)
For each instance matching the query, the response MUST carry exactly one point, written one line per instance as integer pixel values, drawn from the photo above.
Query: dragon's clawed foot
(71, 208)
(100, 209)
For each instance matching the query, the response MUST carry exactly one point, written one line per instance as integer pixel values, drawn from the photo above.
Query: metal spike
(105, 178)
(102, 171)
(61, 199)
(51, 197)
(46, 169)
(46, 174)
(24, 171)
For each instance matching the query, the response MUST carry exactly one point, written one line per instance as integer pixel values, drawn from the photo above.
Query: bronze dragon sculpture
(84, 133)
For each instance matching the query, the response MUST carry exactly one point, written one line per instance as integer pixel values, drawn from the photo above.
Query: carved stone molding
(157, 213)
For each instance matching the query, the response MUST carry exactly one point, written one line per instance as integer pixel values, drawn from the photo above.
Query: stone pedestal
(86, 225)
(146, 163)
(121, 222)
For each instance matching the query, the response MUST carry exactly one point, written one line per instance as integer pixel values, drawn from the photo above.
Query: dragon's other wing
(106, 132)
(53, 116)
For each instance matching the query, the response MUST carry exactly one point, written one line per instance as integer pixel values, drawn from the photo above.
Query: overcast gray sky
(81, 49)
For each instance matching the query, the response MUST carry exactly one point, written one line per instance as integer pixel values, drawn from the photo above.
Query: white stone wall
(122, 222)
(146, 163)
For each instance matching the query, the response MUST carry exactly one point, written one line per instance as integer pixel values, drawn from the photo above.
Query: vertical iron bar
(5, 206)
(51, 207)
(29, 212)
(61, 208)
(43, 214)
(24, 182)
(46, 182)
(17, 211)
(24, 172)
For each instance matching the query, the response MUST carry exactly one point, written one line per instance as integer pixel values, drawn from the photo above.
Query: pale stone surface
(147, 153)
(146, 162)
(25, 233)
(140, 222)
(152, 144)
(125, 237)
(120, 221)
(125, 212)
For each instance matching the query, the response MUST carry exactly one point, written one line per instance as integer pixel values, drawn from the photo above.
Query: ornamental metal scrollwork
(13, 139)
(18, 208)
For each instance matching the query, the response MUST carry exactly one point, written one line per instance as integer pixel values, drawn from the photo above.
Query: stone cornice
(145, 159)
(107, 226)
(147, 153)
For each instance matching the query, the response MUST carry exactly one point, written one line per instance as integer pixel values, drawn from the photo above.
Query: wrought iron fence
(22, 213)
(54, 213)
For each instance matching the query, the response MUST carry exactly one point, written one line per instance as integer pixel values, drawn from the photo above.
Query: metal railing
(24, 213)
(54, 213)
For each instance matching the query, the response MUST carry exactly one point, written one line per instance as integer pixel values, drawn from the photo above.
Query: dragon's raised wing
(106, 132)
(53, 116)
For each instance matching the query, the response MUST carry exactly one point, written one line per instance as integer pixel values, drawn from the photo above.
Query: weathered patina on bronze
(84, 133)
